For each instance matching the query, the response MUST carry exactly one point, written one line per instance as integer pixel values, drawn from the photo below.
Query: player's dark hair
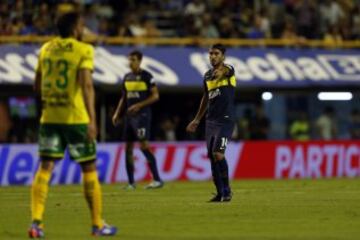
(137, 54)
(66, 23)
(220, 47)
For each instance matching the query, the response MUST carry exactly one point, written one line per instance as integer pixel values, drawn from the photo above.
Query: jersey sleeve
(205, 77)
(231, 75)
(87, 60)
(231, 71)
(150, 80)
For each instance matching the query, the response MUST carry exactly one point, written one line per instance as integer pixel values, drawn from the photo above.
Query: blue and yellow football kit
(137, 88)
(220, 109)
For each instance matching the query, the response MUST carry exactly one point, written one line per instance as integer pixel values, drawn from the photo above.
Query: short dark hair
(66, 23)
(137, 54)
(220, 47)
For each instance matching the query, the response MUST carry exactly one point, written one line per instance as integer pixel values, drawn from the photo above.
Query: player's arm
(199, 115)
(225, 71)
(85, 81)
(119, 109)
(87, 87)
(153, 97)
(37, 83)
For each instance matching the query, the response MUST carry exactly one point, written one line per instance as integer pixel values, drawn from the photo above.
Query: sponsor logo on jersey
(214, 93)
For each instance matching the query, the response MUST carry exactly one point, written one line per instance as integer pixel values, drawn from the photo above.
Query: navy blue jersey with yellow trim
(221, 93)
(137, 88)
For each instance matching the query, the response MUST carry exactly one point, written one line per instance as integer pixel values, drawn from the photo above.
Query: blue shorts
(137, 128)
(217, 135)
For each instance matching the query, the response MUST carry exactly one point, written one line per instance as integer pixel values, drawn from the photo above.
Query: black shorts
(137, 128)
(217, 135)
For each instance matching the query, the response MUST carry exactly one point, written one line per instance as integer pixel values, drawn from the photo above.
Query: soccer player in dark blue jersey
(138, 93)
(218, 102)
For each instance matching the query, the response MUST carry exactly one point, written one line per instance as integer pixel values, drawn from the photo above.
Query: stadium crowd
(331, 20)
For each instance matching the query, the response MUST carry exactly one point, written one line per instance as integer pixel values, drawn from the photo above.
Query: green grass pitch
(295, 209)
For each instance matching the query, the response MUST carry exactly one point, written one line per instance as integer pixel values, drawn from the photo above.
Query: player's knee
(218, 156)
(144, 145)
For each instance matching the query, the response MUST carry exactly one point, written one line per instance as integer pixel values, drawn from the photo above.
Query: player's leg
(215, 174)
(129, 138)
(39, 192)
(142, 127)
(83, 151)
(145, 148)
(210, 133)
(51, 148)
(92, 192)
(221, 165)
(129, 164)
(93, 196)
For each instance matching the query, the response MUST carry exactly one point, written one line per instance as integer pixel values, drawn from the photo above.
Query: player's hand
(115, 119)
(220, 72)
(91, 131)
(192, 126)
(134, 109)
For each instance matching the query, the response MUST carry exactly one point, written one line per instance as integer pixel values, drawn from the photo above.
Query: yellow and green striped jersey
(59, 63)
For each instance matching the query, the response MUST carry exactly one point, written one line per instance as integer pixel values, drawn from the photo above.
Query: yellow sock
(39, 191)
(92, 191)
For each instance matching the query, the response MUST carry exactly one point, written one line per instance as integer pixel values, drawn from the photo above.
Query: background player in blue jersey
(138, 93)
(218, 102)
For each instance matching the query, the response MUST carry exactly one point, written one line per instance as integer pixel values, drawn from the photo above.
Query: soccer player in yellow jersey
(68, 120)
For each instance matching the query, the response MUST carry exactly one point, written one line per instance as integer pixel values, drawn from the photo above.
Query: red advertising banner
(290, 159)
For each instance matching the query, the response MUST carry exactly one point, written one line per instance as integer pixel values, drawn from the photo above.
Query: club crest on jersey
(214, 93)
(132, 95)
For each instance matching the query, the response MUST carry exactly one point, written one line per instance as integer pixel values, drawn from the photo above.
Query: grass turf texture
(296, 209)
